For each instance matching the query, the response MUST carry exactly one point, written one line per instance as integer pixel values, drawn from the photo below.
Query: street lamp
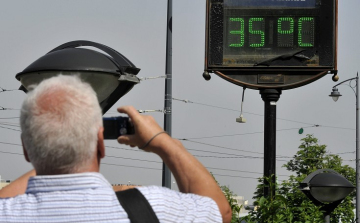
(327, 188)
(335, 95)
(111, 75)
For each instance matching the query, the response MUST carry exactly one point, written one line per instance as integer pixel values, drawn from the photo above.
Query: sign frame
(264, 77)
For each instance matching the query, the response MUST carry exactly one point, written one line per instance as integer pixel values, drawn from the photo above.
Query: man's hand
(145, 129)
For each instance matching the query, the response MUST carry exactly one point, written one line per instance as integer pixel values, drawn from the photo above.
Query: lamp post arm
(353, 88)
(346, 81)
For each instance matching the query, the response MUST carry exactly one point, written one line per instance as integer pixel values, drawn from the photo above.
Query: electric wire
(147, 111)
(8, 143)
(187, 101)
(241, 134)
(223, 147)
(4, 109)
(111, 156)
(4, 90)
(230, 156)
(213, 106)
(140, 167)
(223, 175)
(10, 124)
(229, 109)
(10, 129)
(150, 78)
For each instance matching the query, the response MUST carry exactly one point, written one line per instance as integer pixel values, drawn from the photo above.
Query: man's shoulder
(174, 205)
(163, 192)
(165, 195)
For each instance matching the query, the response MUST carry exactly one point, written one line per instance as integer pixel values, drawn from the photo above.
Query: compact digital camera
(117, 126)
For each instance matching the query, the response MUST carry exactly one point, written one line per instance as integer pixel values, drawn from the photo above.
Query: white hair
(60, 120)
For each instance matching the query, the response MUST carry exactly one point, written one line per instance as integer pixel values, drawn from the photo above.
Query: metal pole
(327, 218)
(357, 151)
(270, 97)
(357, 163)
(166, 174)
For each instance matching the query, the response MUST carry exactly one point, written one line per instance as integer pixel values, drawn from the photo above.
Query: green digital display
(281, 33)
(268, 36)
(270, 43)
(253, 30)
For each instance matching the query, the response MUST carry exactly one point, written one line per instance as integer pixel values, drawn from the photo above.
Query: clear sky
(137, 29)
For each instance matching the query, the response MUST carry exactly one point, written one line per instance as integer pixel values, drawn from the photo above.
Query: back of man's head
(60, 120)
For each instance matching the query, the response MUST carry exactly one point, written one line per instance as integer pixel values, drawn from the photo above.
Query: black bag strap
(136, 206)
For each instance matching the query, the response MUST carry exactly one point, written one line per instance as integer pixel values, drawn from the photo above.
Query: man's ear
(100, 143)
(24, 151)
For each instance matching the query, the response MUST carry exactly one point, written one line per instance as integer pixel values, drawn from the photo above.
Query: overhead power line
(240, 134)
(140, 167)
(223, 147)
(8, 143)
(10, 129)
(147, 111)
(4, 109)
(229, 109)
(229, 156)
(10, 124)
(147, 168)
(150, 78)
(4, 90)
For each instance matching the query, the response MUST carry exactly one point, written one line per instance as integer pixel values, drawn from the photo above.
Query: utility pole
(166, 173)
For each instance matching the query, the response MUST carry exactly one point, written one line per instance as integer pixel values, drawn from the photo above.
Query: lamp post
(111, 75)
(327, 188)
(335, 94)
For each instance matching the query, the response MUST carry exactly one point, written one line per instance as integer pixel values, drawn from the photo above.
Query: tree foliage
(290, 204)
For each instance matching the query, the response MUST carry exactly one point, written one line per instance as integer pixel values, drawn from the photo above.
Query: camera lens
(123, 131)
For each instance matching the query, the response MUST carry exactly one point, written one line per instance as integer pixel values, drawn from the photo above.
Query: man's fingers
(125, 139)
(130, 111)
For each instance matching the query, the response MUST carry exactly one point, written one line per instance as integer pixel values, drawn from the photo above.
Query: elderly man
(62, 136)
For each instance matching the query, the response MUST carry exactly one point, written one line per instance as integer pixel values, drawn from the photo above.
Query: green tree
(269, 209)
(290, 203)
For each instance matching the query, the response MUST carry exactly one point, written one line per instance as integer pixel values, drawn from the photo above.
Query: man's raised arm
(191, 176)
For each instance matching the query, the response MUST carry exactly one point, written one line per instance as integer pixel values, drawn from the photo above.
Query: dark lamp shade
(111, 75)
(330, 194)
(330, 187)
(102, 83)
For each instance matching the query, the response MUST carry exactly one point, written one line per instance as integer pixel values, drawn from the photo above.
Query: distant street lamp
(111, 75)
(327, 188)
(335, 94)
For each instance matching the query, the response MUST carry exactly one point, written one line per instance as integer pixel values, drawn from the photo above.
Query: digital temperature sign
(271, 3)
(276, 38)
